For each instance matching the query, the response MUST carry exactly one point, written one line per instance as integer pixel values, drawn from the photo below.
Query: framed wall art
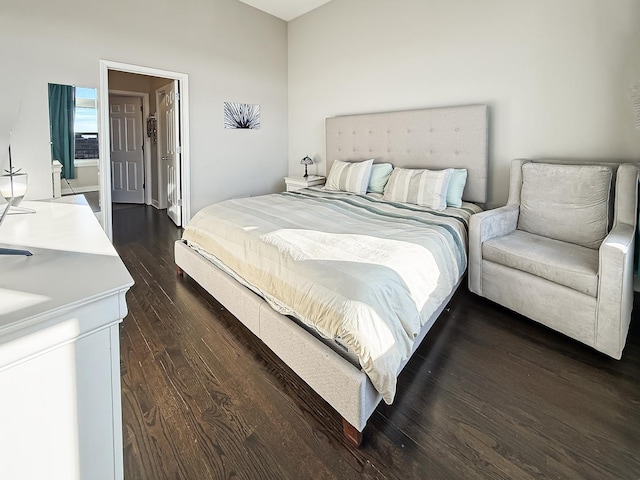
(241, 115)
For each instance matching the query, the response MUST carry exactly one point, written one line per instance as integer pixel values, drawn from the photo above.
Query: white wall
(556, 74)
(86, 179)
(231, 52)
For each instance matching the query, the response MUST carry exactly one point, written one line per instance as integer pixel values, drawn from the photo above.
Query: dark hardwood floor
(488, 394)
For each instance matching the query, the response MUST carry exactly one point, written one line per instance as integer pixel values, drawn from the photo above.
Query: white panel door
(169, 141)
(127, 154)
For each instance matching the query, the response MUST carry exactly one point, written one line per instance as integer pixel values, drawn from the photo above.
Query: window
(86, 124)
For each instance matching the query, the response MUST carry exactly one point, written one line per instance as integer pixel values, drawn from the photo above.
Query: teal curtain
(62, 108)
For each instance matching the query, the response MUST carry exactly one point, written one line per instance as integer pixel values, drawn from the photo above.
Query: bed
(295, 318)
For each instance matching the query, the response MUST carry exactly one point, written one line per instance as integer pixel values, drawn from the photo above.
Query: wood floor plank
(489, 394)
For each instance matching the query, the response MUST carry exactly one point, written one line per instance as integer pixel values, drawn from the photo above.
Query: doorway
(182, 175)
(129, 156)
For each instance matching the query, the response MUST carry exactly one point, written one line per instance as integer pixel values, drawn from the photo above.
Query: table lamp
(306, 161)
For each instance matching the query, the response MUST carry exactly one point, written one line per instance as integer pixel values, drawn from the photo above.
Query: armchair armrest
(482, 227)
(626, 200)
(615, 289)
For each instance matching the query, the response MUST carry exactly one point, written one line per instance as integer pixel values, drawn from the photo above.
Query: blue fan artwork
(13, 186)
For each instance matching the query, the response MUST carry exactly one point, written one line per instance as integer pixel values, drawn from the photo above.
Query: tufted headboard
(433, 138)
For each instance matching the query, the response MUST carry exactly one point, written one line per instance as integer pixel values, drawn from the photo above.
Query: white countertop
(72, 262)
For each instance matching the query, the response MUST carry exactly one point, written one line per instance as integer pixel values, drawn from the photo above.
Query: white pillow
(422, 187)
(349, 176)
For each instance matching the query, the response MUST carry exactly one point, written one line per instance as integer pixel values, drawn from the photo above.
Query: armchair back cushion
(569, 203)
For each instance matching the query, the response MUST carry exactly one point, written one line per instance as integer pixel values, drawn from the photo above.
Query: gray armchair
(555, 255)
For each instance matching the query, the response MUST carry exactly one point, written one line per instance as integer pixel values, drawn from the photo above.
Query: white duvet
(352, 267)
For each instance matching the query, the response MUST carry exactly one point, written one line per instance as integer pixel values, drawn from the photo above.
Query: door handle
(165, 158)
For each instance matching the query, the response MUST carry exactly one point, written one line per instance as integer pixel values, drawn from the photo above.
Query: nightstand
(296, 183)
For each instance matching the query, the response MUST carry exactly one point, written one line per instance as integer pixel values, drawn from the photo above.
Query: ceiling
(285, 9)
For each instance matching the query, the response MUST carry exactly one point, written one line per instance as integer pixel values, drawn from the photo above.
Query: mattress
(352, 268)
(336, 344)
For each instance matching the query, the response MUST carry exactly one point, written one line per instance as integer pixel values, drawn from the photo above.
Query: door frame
(103, 132)
(147, 141)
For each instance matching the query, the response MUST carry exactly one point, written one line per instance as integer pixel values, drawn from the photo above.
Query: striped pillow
(422, 187)
(349, 176)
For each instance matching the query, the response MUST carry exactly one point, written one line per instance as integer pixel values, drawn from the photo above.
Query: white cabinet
(296, 183)
(60, 310)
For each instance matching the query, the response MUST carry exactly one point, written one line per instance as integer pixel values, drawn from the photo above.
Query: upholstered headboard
(433, 138)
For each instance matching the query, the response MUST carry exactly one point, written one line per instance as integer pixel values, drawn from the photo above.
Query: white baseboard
(85, 163)
(156, 204)
(89, 188)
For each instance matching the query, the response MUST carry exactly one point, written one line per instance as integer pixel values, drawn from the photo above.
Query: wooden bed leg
(351, 433)
(179, 271)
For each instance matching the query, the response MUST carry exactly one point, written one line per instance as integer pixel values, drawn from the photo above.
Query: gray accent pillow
(569, 203)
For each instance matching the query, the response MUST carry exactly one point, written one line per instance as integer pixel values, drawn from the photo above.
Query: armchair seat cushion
(567, 264)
